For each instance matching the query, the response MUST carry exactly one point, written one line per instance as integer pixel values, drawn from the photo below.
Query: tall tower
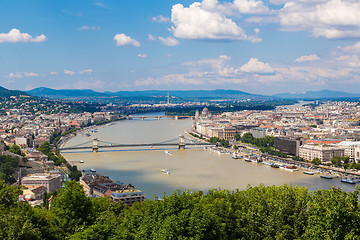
(181, 142)
(168, 98)
(95, 147)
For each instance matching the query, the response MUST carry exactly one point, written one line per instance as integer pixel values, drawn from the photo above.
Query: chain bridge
(96, 144)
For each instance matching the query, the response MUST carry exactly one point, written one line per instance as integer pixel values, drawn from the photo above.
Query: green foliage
(333, 214)
(247, 138)
(56, 158)
(16, 150)
(267, 141)
(75, 174)
(339, 161)
(273, 152)
(7, 167)
(214, 140)
(195, 135)
(316, 161)
(297, 158)
(8, 195)
(71, 130)
(261, 212)
(71, 208)
(222, 142)
(45, 148)
(235, 147)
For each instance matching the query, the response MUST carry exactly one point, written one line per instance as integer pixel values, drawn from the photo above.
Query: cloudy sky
(256, 46)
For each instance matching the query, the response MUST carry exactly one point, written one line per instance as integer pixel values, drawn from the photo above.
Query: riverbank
(304, 165)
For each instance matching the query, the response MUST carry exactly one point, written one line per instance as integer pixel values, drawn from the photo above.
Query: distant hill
(73, 93)
(65, 93)
(317, 95)
(8, 93)
(219, 93)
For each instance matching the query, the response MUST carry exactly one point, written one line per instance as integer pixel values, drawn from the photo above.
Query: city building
(325, 153)
(288, 145)
(52, 182)
(96, 185)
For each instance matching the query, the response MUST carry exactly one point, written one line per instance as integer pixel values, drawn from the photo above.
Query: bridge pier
(181, 142)
(95, 146)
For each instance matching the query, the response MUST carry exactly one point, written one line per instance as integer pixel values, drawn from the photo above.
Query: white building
(351, 147)
(324, 153)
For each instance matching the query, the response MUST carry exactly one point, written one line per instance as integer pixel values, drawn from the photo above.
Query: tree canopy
(260, 212)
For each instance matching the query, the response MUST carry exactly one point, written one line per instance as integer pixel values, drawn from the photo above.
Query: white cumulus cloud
(308, 58)
(86, 27)
(142, 55)
(16, 36)
(22, 74)
(15, 75)
(251, 7)
(255, 66)
(30, 74)
(329, 19)
(160, 19)
(123, 40)
(86, 71)
(195, 22)
(68, 72)
(151, 37)
(169, 41)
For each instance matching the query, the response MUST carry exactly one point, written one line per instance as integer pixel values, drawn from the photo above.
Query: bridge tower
(95, 146)
(181, 142)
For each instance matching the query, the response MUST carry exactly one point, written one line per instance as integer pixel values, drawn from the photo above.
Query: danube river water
(193, 169)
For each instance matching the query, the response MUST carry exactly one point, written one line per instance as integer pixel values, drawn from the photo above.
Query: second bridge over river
(97, 144)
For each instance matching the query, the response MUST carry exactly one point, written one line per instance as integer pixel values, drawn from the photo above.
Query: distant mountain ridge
(8, 93)
(218, 93)
(64, 93)
(317, 95)
(75, 93)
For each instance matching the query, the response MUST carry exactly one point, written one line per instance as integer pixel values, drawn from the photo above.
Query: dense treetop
(261, 212)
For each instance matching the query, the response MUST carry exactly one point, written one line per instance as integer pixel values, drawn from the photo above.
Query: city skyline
(262, 47)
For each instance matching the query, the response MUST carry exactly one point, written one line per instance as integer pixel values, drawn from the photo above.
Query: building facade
(324, 153)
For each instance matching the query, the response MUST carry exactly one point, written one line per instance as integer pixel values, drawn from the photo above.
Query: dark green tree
(72, 209)
(316, 161)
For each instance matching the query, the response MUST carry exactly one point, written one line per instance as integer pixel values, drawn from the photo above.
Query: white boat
(290, 168)
(92, 170)
(165, 171)
(266, 163)
(81, 161)
(168, 153)
(235, 156)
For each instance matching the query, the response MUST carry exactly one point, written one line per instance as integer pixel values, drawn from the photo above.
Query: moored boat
(290, 168)
(328, 176)
(308, 172)
(350, 180)
(165, 171)
(92, 170)
(81, 161)
(235, 156)
(274, 165)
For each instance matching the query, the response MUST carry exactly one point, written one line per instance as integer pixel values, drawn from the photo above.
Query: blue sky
(256, 46)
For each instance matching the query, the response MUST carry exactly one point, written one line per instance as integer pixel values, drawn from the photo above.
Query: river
(193, 169)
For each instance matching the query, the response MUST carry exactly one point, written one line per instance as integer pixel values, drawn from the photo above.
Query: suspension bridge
(96, 144)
